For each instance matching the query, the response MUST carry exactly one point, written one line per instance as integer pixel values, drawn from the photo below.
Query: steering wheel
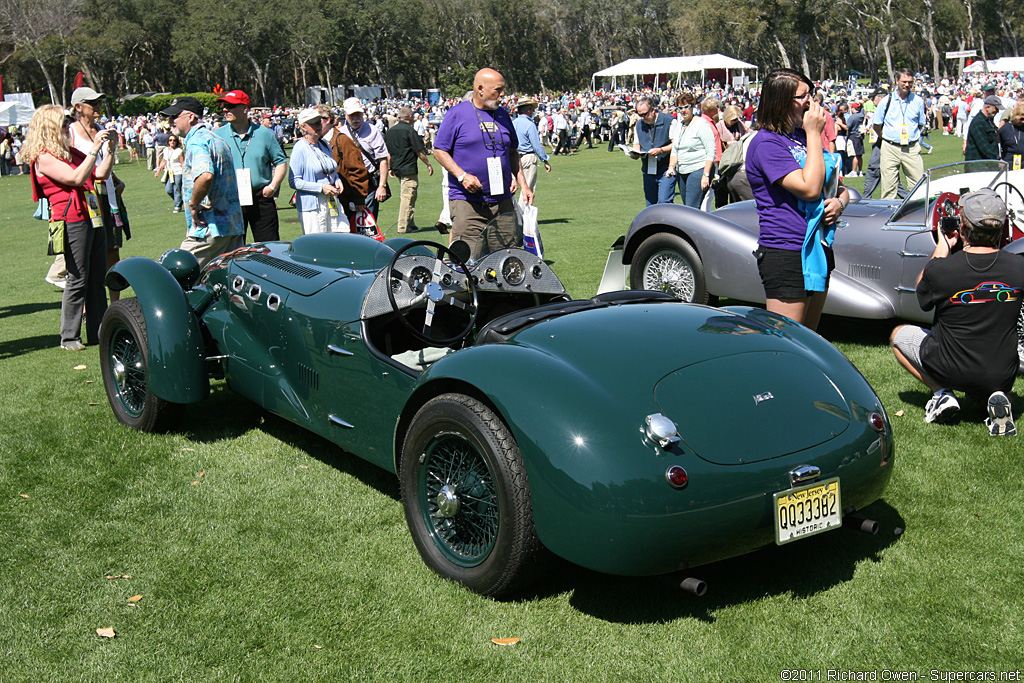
(1012, 231)
(431, 285)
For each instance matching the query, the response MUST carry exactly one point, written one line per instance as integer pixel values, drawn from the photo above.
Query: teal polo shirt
(259, 151)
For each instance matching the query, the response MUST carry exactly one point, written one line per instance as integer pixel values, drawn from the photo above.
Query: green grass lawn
(262, 552)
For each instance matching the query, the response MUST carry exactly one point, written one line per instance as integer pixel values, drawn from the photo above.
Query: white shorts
(908, 340)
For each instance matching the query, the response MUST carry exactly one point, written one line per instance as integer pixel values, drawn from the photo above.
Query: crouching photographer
(975, 289)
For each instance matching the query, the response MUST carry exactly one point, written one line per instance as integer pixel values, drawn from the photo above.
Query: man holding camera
(975, 289)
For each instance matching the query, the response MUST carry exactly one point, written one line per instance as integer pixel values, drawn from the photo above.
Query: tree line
(274, 50)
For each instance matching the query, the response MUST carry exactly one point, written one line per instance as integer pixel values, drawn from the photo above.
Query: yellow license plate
(807, 510)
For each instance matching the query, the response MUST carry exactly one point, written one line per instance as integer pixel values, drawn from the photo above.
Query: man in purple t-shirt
(477, 144)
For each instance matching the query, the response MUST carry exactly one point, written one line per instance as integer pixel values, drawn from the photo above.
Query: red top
(59, 194)
(718, 137)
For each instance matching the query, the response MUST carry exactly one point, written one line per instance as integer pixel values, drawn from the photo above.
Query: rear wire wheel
(466, 496)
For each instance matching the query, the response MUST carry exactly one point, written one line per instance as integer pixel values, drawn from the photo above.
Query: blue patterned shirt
(207, 153)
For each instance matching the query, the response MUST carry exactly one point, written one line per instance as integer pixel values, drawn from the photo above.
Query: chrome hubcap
(447, 502)
(120, 374)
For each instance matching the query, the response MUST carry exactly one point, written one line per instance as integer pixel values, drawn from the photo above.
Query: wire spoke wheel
(459, 499)
(466, 496)
(667, 272)
(128, 371)
(124, 346)
(667, 263)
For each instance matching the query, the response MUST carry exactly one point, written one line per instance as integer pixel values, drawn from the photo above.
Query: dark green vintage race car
(629, 433)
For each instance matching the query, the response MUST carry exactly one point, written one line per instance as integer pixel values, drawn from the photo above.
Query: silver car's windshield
(960, 177)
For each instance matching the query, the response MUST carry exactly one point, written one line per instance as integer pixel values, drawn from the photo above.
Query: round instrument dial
(513, 270)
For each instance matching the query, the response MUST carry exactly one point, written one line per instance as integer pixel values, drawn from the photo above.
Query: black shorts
(782, 272)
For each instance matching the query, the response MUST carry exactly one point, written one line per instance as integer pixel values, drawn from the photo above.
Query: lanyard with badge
(327, 166)
(652, 161)
(243, 176)
(495, 178)
(1016, 144)
(905, 128)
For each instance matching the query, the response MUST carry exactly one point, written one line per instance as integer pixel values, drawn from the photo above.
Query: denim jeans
(658, 189)
(689, 187)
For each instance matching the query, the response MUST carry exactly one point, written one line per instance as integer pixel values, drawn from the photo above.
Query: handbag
(56, 230)
(56, 245)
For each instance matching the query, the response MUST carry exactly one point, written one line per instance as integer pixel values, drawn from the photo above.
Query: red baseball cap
(235, 97)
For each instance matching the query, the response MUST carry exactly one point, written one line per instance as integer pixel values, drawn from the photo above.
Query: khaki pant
(894, 158)
(407, 201)
(205, 250)
(529, 163)
(469, 220)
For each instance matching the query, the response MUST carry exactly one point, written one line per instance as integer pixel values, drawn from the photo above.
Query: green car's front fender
(176, 370)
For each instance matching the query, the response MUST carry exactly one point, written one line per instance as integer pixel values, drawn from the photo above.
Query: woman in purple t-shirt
(784, 165)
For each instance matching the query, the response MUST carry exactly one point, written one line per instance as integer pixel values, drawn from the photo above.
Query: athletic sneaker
(56, 283)
(1000, 416)
(941, 407)
(73, 345)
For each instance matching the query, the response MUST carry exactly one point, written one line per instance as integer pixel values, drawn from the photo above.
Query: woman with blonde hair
(731, 127)
(65, 175)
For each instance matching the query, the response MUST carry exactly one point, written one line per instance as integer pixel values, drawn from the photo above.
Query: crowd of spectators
(565, 121)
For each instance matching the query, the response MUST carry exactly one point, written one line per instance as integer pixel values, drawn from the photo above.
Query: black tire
(466, 496)
(667, 263)
(124, 350)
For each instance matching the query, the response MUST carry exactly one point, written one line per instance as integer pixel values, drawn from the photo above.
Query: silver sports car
(881, 245)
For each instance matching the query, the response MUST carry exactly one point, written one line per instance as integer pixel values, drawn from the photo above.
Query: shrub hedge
(137, 106)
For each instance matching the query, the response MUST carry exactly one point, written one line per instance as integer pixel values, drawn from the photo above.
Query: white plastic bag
(531, 232)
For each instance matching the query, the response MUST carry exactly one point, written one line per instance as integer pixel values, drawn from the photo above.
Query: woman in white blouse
(173, 156)
(313, 174)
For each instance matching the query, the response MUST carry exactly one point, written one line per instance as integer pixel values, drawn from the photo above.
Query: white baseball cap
(353, 105)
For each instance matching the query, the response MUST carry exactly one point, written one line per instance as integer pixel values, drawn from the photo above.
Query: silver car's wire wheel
(667, 271)
(667, 263)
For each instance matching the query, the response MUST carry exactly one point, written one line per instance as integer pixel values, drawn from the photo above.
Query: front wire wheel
(466, 496)
(124, 347)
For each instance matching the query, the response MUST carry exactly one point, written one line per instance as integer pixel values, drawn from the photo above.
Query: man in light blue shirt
(213, 215)
(531, 150)
(900, 120)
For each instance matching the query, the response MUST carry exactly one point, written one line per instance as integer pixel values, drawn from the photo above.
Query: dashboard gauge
(419, 277)
(513, 270)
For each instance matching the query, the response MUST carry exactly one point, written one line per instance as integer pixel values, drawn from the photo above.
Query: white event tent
(1003, 64)
(658, 66)
(15, 114)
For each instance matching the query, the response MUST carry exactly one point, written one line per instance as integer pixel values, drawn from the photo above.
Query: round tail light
(877, 423)
(676, 477)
